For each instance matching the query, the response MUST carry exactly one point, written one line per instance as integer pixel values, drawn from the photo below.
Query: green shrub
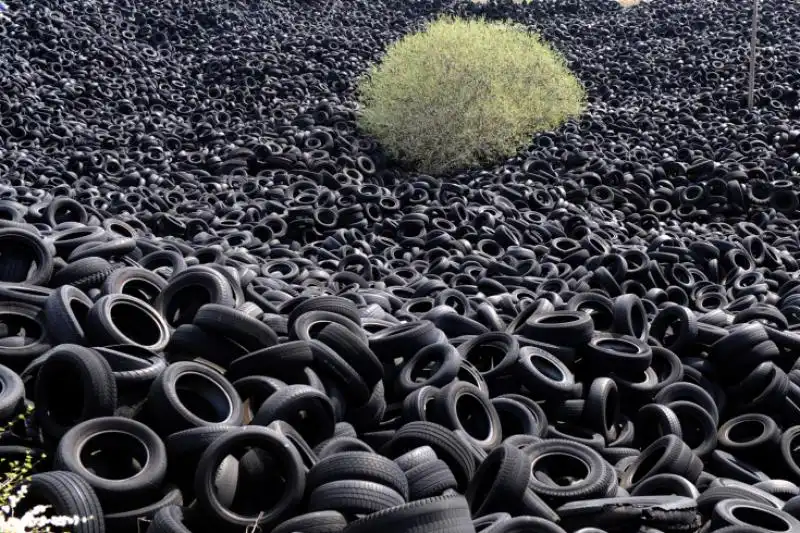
(463, 92)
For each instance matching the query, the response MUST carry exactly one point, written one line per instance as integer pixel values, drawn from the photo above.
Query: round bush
(464, 92)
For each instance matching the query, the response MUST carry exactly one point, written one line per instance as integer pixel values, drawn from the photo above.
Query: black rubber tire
(184, 450)
(69, 495)
(24, 293)
(789, 451)
(354, 497)
(666, 485)
(354, 349)
(697, 427)
(84, 274)
(544, 374)
(280, 451)
(123, 319)
(449, 363)
(732, 355)
(792, 507)
(136, 282)
(751, 436)
(308, 325)
(780, 488)
(345, 429)
(307, 454)
(447, 446)
(331, 365)
(429, 479)
(444, 514)
(480, 422)
(654, 421)
(602, 408)
(629, 317)
(363, 466)
(244, 330)
(371, 414)
(318, 522)
(535, 409)
(717, 493)
(284, 361)
(403, 340)
(500, 483)
(216, 400)
(622, 354)
(189, 342)
(254, 390)
(134, 520)
(180, 300)
(65, 314)
(141, 443)
(17, 269)
(667, 455)
(683, 390)
(562, 328)
(332, 304)
(17, 351)
(758, 515)
(493, 354)
(525, 524)
(515, 418)
(336, 445)
(308, 410)
(484, 523)
(175, 519)
(12, 394)
(71, 372)
(417, 405)
(416, 457)
(684, 335)
(134, 370)
(594, 480)
(598, 306)
(631, 512)
(726, 465)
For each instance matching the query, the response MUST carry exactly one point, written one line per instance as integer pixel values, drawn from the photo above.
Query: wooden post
(753, 43)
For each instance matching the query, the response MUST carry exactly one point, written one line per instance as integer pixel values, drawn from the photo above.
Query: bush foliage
(464, 92)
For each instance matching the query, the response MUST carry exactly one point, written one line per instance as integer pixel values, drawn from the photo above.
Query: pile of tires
(232, 313)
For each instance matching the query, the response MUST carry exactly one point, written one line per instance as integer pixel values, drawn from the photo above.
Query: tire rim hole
(611, 408)
(618, 345)
(645, 467)
(136, 324)
(66, 400)
(18, 331)
(315, 328)
(557, 319)
(260, 481)
(511, 423)
(548, 368)
(141, 289)
(760, 518)
(472, 417)
(746, 431)
(424, 372)
(15, 253)
(184, 304)
(203, 397)
(560, 469)
(485, 357)
(114, 455)
(80, 310)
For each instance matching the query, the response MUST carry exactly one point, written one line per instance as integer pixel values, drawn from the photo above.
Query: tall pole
(753, 42)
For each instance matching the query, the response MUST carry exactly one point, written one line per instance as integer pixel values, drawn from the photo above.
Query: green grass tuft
(465, 92)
